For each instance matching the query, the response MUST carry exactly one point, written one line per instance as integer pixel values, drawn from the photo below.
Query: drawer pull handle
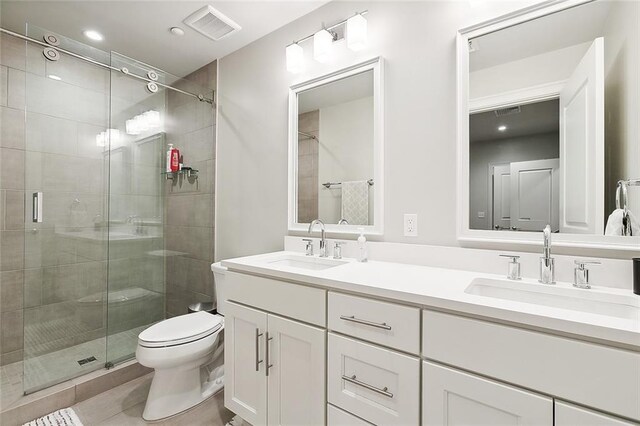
(352, 379)
(258, 360)
(352, 318)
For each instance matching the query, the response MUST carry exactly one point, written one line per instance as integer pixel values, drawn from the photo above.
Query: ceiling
(348, 89)
(552, 32)
(540, 117)
(140, 29)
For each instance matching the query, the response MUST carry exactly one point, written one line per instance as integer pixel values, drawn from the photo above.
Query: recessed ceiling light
(93, 35)
(177, 31)
(502, 128)
(54, 77)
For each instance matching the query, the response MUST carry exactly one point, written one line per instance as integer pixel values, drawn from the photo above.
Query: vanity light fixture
(355, 31)
(295, 58)
(111, 137)
(93, 35)
(502, 128)
(148, 120)
(322, 41)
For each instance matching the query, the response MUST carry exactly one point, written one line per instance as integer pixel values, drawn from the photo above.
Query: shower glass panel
(145, 118)
(136, 263)
(96, 261)
(66, 175)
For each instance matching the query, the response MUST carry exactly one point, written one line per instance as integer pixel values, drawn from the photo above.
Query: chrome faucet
(547, 267)
(323, 243)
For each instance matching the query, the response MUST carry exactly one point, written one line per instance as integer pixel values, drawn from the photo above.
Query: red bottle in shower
(175, 159)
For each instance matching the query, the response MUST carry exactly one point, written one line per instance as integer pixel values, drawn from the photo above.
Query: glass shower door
(137, 142)
(66, 187)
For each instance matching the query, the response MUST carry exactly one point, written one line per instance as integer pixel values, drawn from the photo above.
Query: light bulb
(356, 32)
(152, 118)
(322, 41)
(113, 137)
(100, 139)
(141, 123)
(295, 58)
(132, 127)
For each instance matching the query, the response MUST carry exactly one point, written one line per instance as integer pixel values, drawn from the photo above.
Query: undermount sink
(304, 262)
(590, 301)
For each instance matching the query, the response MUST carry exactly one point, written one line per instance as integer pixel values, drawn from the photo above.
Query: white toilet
(178, 348)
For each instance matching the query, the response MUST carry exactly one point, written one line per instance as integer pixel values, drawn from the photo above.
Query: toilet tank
(219, 273)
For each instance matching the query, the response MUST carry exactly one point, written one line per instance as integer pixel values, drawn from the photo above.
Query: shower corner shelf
(189, 173)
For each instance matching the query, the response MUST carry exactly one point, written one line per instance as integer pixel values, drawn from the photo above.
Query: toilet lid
(181, 329)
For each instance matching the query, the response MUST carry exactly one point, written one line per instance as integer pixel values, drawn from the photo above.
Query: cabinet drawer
(388, 324)
(338, 417)
(379, 385)
(594, 375)
(571, 415)
(296, 301)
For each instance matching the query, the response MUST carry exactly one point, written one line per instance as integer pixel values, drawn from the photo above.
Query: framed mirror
(548, 108)
(336, 150)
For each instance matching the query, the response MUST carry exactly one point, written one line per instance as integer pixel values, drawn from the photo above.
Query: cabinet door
(296, 373)
(572, 415)
(245, 383)
(452, 397)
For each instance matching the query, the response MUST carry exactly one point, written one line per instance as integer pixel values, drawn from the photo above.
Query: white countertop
(445, 289)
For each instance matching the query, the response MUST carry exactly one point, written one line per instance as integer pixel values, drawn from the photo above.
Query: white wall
(345, 153)
(622, 99)
(417, 41)
(481, 154)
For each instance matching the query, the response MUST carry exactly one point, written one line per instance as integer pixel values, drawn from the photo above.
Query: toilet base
(178, 389)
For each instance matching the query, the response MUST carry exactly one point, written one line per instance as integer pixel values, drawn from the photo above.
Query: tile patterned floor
(123, 406)
(44, 370)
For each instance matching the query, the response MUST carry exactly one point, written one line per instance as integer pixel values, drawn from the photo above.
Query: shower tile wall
(50, 147)
(189, 216)
(308, 122)
(12, 154)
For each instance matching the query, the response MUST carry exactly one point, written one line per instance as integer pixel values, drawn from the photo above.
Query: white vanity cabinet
(457, 398)
(379, 381)
(275, 368)
(571, 415)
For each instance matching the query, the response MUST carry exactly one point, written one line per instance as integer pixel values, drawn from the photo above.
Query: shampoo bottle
(175, 159)
(169, 153)
(362, 246)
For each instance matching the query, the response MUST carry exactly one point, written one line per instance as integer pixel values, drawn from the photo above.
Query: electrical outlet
(410, 225)
(481, 214)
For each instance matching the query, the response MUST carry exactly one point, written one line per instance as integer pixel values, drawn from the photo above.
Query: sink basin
(308, 263)
(590, 301)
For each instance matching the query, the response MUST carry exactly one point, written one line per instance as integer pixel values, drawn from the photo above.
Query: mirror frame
(477, 237)
(375, 65)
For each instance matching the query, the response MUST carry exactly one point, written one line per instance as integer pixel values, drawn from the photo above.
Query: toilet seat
(180, 330)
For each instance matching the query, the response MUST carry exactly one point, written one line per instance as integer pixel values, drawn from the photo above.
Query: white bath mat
(64, 417)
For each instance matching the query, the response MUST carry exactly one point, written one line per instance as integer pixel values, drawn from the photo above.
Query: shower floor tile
(45, 370)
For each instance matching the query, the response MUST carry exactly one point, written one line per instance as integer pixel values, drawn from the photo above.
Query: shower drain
(87, 360)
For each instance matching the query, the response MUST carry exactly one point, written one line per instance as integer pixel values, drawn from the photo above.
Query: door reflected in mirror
(554, 136)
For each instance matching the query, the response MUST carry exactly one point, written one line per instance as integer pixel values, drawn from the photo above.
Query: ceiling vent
(212, 23)
(508, 111)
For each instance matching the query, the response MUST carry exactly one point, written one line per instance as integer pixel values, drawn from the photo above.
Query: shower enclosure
(96, 129)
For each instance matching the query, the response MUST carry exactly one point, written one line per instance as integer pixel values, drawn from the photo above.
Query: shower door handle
(37, 207)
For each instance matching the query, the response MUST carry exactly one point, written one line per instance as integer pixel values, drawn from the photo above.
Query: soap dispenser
(362, 246)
